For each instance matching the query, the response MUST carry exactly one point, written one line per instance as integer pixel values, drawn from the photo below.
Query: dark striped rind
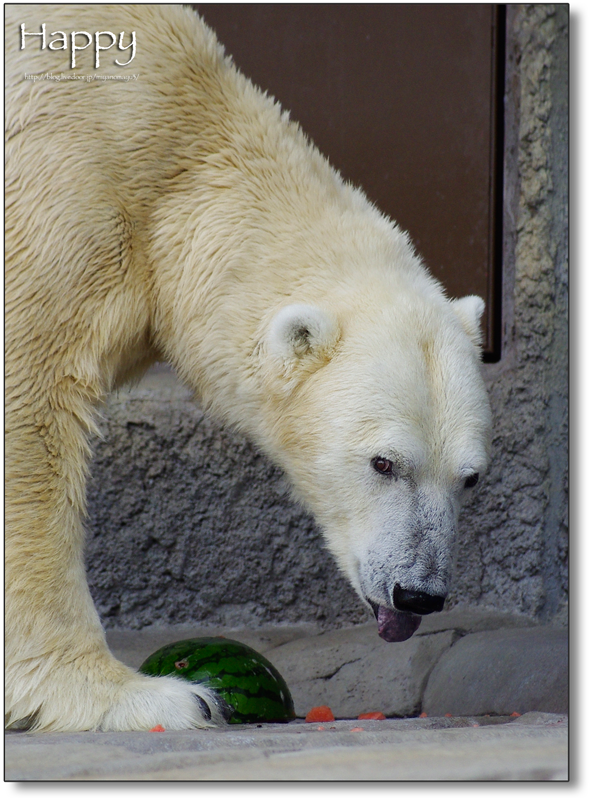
(247, 681)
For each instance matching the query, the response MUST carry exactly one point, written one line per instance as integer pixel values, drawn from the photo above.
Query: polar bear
(179, 215)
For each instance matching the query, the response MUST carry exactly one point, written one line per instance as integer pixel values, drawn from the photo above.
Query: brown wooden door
(405, 101)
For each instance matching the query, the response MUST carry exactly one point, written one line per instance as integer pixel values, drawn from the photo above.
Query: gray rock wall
(188, 523)
(516, 539)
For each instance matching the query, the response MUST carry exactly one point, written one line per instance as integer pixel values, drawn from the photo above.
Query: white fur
(183, 217)
(470, 310)
(301, 338)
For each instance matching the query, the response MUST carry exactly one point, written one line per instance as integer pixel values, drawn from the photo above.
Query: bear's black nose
(417, 602)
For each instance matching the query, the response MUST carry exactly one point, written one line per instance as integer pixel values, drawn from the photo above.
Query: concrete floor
(502, 681)
(533, 747)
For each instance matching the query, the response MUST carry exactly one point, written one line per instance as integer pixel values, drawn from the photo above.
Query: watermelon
(251, 686)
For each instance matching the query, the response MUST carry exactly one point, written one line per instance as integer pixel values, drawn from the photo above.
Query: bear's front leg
(91, 690)
(60, 674)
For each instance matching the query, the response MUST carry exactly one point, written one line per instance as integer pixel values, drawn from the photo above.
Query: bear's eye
(383, 466)
(471, 481)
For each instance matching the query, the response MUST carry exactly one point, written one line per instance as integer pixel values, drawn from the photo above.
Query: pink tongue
(396, 626)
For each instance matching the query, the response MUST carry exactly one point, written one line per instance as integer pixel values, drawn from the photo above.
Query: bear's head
(380, 416)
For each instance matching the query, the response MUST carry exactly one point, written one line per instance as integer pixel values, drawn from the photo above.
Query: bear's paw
(148, 701)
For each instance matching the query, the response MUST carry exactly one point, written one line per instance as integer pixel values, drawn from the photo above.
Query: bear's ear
(301, 338)
(469, 310)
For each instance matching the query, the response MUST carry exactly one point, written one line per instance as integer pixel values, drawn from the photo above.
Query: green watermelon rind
(247, 681)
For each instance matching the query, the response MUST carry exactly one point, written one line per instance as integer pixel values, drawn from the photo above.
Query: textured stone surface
(448, 666)
(514, 542)
(504, 671)
(353, 671)
(189, 524)
(133, 646)
(416, 749)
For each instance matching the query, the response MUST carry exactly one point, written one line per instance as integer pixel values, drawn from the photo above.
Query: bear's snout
(416, 601)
